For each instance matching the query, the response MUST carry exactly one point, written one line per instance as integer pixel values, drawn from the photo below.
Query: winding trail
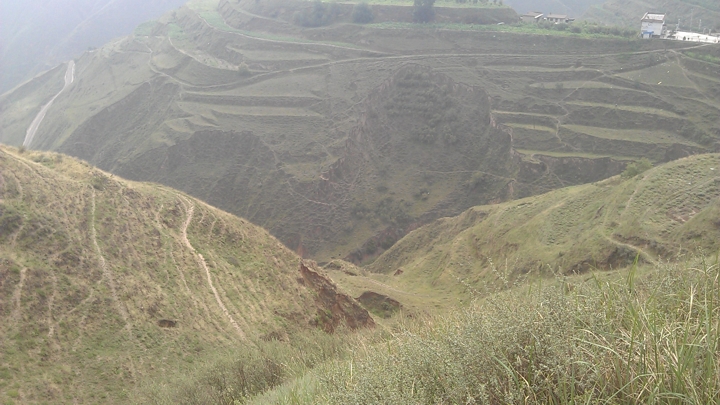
(103, 265)
(201, 261)
(32, 129)
(387, 287)
(17, 295)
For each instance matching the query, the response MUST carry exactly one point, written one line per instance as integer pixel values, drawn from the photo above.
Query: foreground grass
(608, 338)
(264, 366)
(639, 340)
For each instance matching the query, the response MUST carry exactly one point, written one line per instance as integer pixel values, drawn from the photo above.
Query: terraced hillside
(693, 15)
(658, 216)
(341, 139)
(573, 8)
(106, 284)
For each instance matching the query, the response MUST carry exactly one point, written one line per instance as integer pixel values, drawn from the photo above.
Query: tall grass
(608, 338)
(639, 340)
(237, 376)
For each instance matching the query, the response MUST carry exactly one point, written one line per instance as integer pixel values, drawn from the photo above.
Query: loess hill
(340, 139)
(106, 284)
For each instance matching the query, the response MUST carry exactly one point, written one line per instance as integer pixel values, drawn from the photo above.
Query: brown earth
(335, 308)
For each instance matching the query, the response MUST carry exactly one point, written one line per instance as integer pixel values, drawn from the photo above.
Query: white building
(531, 17)
(557, 18)
(652, 25)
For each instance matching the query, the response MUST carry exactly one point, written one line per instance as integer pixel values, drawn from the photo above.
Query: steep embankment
(316, 135)
(105, 283)
(657, 216)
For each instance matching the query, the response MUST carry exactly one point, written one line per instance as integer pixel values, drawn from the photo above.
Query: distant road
(32, 129)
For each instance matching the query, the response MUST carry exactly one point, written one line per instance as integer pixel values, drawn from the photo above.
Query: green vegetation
(647, 339)
(146, 28)
(635, 168)
(704, 57)
(605, 225)
(236, 377)
(708, 4)
(647, 334)
(106, 282)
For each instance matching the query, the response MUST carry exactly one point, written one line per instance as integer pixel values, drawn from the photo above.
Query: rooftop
(560, 16)
(533, 14)
(654, 17)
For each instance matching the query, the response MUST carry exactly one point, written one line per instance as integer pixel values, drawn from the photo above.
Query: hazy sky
(38, 34)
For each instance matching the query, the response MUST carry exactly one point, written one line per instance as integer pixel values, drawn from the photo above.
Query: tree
(362, 14)
(637, 167)
(424, 11)
(318, 15)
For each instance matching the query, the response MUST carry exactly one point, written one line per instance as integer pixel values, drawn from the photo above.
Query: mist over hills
(297, 129)
(36, 35)
(453, 211)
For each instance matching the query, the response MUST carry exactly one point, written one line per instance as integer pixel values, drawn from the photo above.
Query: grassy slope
(646, 333)
(650, 338)
(656, 216)
(172, 106)
(90, 263)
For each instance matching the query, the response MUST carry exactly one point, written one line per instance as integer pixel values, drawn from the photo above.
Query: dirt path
(17, 295)
(51, 303)
(604, 227)
(389, 288)
(201, 261)
(107, 274)
(35, 124)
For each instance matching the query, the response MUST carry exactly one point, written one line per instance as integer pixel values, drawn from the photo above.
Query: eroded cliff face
(334, 308)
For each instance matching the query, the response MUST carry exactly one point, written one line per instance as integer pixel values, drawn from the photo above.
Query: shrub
(318, 15)
(244, 69)
(637, 167)
(424, 11)
(362, 14)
